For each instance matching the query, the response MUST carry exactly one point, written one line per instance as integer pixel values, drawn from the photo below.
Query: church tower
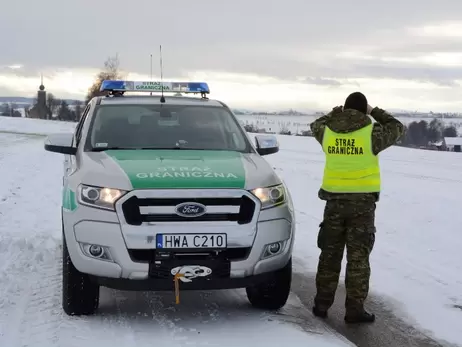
(42, 100)
(40, 109)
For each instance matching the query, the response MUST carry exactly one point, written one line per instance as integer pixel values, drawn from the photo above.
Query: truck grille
(139, 210)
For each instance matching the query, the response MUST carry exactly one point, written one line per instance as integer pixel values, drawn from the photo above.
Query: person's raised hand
(369, 109)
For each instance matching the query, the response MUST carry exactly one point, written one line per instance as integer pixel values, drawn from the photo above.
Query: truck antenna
(162, 98)
(151, 71)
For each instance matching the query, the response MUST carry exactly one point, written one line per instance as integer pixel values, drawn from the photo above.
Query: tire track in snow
(10, 147)
(41, 321)
(29, 254)
(196, 320)
(139, 313)
(31, 315)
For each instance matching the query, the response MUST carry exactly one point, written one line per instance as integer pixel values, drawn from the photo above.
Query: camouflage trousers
(351, 224)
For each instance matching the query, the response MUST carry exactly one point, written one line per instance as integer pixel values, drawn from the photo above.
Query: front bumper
(151, 284)
(132, 249)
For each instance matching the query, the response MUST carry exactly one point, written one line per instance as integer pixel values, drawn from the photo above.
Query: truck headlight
(270, 196)
(99, 197)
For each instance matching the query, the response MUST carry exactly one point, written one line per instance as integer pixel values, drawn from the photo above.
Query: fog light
(96, 251)
(273, 249)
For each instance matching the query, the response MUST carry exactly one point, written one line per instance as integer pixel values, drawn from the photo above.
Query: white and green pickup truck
(168, 192)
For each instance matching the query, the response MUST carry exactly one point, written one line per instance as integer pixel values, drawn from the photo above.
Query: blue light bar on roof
(151, 86)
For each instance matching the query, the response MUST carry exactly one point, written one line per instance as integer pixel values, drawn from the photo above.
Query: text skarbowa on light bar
(145, 86)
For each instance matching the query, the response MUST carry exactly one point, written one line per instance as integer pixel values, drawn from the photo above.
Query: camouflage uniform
(349, 218)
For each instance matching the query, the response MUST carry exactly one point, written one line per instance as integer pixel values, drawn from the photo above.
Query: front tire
(273, 294)
(80, 294)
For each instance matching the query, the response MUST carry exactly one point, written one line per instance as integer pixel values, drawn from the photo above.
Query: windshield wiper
(167, 148)
(101, 149)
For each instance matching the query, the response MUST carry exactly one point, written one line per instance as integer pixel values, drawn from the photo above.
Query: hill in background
(28, 101)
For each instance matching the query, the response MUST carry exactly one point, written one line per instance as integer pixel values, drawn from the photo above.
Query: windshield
(165, 127)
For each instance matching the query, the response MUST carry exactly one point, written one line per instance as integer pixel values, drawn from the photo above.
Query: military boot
(319, 312)
(359, 317)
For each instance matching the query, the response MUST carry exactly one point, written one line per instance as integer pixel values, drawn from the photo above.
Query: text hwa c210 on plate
(168, 192)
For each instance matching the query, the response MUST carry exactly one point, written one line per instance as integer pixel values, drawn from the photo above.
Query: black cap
(356, 101)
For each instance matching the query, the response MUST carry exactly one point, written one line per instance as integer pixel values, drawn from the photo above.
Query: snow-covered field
(416, 263)
(297, 124)
(34, 126)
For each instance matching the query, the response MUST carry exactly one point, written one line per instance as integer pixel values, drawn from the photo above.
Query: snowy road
(30, 282)
(388, 330)
(411, 264)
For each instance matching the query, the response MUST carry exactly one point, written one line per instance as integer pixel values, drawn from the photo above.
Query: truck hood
(173, 169)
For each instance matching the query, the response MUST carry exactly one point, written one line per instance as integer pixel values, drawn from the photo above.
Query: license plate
(197, 241)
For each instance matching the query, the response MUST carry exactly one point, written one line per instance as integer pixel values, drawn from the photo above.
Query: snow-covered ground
(30, 282)
(34, 126)
(416, 263)
(417, 259)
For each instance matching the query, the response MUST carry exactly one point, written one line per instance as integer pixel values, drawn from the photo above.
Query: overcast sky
(254, 53)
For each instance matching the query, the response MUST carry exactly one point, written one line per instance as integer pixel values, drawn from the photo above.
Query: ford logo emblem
(190, 209)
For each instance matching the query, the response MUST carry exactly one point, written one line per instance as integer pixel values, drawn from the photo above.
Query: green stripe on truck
(170, 169)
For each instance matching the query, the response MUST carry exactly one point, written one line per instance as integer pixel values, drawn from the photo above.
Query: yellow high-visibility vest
(351, 166)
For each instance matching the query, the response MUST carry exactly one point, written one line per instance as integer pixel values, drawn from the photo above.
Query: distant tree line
(55, 109)
(417, 133)
(9, 110)
(60, 109)
(284, 130)
(422, 133)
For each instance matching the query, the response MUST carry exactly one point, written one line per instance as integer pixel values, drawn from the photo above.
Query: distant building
(40, 110)
(436, 146)
(453, 144)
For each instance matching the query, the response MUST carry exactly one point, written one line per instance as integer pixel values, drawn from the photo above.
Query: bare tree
(52, 105)
(64, 112)
(111, 71)
(5, 109)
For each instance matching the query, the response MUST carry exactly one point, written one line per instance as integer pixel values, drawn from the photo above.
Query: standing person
(351, 188)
